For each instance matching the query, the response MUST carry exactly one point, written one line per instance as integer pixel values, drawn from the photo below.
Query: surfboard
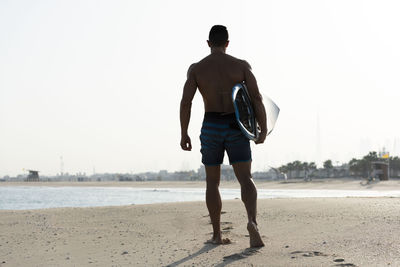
(245, 115)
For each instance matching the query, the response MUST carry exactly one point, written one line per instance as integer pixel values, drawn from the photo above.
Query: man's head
(218, 37)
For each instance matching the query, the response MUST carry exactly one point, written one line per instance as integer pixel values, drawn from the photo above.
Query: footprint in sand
(343, 264)
(338, 260)
(222, 212)
(346, 265)
(308, 253)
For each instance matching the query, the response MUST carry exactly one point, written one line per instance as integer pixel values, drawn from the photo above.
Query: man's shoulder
(191, 69)
(241, 62)
(244, 63)
(198, 66)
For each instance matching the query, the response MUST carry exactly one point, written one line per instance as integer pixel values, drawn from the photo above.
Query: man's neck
(218, 50)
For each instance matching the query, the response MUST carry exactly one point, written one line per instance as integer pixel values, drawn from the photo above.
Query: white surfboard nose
(272, 111)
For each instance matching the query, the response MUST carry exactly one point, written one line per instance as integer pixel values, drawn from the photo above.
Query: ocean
(41, 197)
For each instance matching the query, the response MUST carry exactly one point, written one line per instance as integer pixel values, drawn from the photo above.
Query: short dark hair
(218, 35)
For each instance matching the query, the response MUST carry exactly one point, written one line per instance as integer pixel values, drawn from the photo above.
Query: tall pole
(318, 141)
(61, 166)
(388, 159)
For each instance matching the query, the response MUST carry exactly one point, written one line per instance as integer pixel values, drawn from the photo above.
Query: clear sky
(99, 82)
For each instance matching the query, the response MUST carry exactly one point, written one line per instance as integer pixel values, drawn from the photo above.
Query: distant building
(185, 176)
(271, 174)
(227, 173)
(83, 179)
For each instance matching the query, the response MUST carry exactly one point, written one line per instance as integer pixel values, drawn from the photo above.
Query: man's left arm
(186, 104)
(258, 105)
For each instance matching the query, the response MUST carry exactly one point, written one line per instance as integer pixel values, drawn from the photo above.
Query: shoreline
(189, 202)
(119, 194)
(331, 183)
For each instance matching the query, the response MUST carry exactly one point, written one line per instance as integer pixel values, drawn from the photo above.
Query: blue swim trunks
(221, 133)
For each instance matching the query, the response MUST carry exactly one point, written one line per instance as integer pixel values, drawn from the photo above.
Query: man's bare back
(215, 76)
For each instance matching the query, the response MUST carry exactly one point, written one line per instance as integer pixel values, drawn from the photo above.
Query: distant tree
(283, 169)
(363, 167)
(290, 167)
(353, 164)
(328, 166)
(304, 166)
(372, 156)
(358, 167)
(308, 167)
(298, 167)
(312, 166)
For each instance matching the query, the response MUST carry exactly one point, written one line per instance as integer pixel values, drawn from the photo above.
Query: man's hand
(186, 144)
(261, 137)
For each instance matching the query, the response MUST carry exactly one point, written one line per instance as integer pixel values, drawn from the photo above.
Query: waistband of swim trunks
(219, 116)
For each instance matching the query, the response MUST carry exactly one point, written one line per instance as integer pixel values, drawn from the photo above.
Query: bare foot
(218, 241)
(255, 238)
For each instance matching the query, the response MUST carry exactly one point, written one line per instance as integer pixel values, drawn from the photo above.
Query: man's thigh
(212, 145)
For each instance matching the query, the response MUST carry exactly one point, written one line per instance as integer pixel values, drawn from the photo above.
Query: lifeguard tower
(380, 168)
(33, 176)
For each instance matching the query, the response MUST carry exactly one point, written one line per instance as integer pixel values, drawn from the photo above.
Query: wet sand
(297, 232)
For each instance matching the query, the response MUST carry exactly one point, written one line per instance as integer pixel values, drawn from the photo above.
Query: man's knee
(213, 174)
(244, 179)
(212, 182)
(246, 182)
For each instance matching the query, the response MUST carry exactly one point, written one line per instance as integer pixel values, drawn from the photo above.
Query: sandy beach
(297, 232)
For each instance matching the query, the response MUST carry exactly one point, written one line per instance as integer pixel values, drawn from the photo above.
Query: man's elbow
(186, 104)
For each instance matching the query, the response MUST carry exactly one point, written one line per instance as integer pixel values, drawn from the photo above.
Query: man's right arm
(258, 105)
(186, 104)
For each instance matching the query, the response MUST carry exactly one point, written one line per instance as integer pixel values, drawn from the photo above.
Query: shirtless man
(214, 76)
